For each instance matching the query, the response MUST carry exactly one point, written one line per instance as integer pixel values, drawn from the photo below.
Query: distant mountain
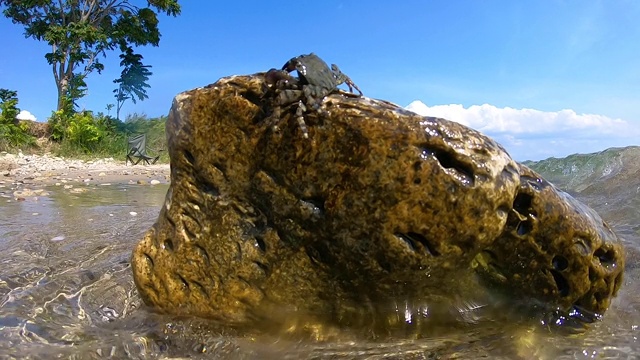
(592, 173)
(607, 181)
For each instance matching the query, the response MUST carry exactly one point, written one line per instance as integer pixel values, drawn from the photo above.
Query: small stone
(133, 213)
(24, 193)
(58, 238)
(102, 174)
(141, 182)
(154, 182)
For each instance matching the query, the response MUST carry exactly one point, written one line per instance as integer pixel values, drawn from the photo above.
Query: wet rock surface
(379, 206)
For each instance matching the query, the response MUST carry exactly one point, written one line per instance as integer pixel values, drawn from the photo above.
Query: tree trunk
(62, 73)
(63, 87)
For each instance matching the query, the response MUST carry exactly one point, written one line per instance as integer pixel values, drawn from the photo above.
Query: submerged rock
(378, 207)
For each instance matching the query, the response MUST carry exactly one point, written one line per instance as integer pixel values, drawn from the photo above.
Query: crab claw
(290, 65)
(273, 76)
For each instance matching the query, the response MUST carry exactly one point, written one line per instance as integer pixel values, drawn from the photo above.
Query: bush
(84, 131)
(87, 135)
(57, 124)
(13, 134)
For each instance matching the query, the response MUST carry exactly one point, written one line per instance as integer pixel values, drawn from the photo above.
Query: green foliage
(104, 136)
(9, 105)
(60, 119)
(84, 131)
(77, 89)
(57, 124)
(132, 83)
(80, 32)
(12, 133)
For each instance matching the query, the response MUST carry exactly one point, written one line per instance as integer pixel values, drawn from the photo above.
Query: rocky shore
(23, 175)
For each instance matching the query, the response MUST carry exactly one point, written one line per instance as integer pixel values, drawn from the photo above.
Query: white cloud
(530, 134)
(25, 115)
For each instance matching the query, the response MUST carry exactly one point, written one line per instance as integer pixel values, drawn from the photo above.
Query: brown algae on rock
(377, 207)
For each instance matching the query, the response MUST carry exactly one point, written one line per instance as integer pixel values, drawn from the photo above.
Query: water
(66, 291)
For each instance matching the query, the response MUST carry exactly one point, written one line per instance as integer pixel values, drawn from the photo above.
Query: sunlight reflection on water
(66, 290)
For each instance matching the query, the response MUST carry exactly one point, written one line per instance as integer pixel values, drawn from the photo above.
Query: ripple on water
(66, 289)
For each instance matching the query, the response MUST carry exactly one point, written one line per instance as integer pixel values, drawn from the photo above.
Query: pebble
(38, 170)
(58, 238)
(154, 182)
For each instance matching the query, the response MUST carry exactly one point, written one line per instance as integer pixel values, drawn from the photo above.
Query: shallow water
(66, 291)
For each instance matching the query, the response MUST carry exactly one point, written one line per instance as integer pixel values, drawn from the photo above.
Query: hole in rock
(561, 283)
(317, 201)
(524, 227)
(260, 242)
(168, 245)
(184, 282)
(384, 264)
(417, 181)
(319, 253)
(503, 210)
(449, 161)
(209, 188)
(149, 259)
(593, 275)
(263, 267)
(535, 182)
(522, 203)
(560, 263)
(599, 296)
(220, 166)
(202, 252)
(581, 247)
(413, 239)
(189, 157)
(606, 256)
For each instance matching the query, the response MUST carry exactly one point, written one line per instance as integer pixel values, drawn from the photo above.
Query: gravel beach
(23, 176)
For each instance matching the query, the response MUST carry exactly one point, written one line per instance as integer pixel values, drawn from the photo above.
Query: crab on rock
(315, 81)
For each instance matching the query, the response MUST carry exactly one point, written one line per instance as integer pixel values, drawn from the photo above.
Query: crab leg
(300, 117)
(342, 78)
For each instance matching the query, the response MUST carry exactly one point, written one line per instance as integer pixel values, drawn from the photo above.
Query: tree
(8, 107)
(13, 133)
(133, 79)
(79, 31)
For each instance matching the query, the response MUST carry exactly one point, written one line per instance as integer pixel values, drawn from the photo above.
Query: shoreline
(20, 174)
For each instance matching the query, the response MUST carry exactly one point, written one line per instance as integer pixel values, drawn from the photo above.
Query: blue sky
(507, 68)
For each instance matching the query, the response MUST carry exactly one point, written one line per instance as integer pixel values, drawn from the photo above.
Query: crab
(315, 81)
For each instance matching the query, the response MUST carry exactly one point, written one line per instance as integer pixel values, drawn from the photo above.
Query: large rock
(379, 206)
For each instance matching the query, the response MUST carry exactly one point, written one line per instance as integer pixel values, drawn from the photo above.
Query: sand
(20, 174)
